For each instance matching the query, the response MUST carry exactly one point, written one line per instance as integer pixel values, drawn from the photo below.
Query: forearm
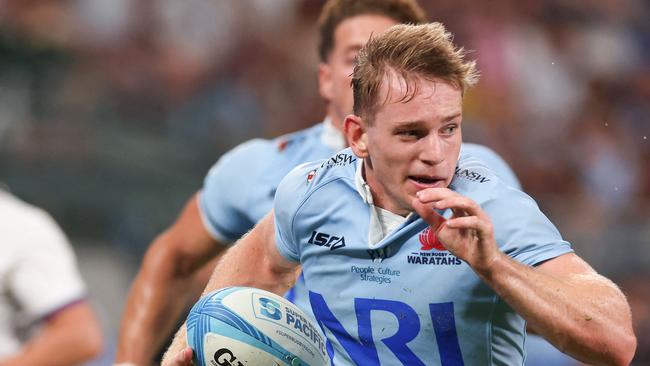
(160, 295)
(584, 315)
(69, 338)
(254, 262)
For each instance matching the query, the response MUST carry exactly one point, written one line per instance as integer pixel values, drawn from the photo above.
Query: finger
(184, 357)
(465, 222)
(428, 214)
(434, 194)
(469, 223)
(460, 205)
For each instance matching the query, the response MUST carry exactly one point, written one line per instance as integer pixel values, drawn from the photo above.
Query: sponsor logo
(326, 240)
(379, 275)
(310, 175)
(292, 321)
(432, 252)
(270, 308)
(225, 357)
(339, 160)
(470, 175)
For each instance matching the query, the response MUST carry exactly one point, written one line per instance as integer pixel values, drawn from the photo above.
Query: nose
(431, 150)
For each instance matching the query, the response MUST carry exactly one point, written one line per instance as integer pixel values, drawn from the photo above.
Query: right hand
(182, 358)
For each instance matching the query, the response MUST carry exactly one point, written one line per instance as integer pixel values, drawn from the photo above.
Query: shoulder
(475, 179)
(26, 227)
(308, 178)
(26, 218)
(493, 161)
(259, 155)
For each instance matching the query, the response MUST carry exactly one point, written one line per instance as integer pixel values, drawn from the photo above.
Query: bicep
(255, 261)
(268, 232)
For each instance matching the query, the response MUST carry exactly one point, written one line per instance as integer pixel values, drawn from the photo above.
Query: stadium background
(112, 111)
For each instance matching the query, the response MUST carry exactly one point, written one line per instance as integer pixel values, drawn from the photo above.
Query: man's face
(335, 75)
(414, 145)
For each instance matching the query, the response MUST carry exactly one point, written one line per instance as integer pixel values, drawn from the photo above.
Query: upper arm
(187, 241)
(255, 261)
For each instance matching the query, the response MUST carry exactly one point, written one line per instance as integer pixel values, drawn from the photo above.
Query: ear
(356, 135)
(325, 86)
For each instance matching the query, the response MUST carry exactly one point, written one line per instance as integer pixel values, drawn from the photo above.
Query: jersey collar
(376, 230)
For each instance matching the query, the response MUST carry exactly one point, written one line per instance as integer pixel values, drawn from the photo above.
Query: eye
(410, 134)
(449, 129)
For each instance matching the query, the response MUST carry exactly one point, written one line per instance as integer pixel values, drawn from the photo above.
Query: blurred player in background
(238, 191)
(44, 317)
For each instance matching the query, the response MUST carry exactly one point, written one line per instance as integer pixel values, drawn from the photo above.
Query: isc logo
(326, 240)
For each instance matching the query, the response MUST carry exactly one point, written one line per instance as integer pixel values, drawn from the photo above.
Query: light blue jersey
(406, 301)
(239, 189)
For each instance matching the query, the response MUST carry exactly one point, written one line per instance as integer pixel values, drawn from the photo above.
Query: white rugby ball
(243, 326)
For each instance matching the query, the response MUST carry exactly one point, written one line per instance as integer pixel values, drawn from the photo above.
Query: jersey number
(364, 352)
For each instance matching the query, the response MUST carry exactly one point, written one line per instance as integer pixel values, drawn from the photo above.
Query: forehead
(355, 31)
(417, 99)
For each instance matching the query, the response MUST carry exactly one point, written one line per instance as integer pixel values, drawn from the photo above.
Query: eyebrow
(452, 117)
(415, 124)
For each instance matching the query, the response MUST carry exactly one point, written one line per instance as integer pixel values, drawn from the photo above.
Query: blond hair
(336, 11)
(411, 52)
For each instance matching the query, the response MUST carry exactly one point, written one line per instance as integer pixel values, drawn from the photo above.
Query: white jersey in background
(38, 272)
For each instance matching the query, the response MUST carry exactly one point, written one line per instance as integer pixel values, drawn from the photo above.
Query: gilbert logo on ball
(249, 327)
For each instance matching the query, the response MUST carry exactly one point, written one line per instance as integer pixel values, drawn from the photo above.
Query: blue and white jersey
(405, 300)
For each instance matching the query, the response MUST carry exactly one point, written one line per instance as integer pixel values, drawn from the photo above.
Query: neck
(380, 197)
(336, 120)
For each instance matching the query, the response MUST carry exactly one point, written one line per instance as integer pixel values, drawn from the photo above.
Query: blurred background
(112, 111)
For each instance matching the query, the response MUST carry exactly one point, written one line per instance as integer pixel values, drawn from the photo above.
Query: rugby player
(404, 193)
(238, 191)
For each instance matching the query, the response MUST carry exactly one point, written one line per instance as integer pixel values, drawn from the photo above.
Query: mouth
(423, 181)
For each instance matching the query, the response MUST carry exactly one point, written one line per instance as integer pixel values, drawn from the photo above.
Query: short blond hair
(411, 52)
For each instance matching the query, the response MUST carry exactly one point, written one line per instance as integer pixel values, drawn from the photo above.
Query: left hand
(468, 234)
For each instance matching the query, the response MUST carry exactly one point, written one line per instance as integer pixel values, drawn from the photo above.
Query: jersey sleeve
(521, 229)
(224, 198)
(288, 199)
(44, 277)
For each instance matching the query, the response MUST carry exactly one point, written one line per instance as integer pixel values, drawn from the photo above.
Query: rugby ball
(243, 326)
